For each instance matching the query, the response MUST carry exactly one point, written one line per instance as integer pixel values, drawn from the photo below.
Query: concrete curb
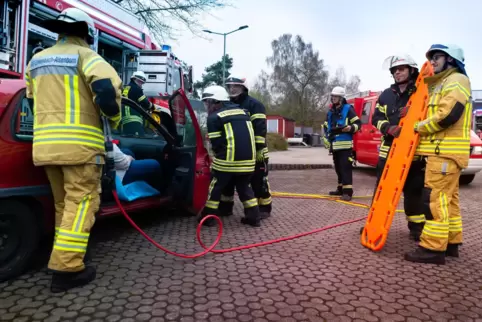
(293, 166)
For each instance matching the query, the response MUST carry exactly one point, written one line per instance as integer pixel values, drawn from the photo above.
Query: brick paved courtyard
(324, 277)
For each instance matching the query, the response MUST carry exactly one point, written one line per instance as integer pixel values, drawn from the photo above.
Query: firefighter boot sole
(346, 198)
(62, 282)
(251, 222)
(425, 257)
(264, 215)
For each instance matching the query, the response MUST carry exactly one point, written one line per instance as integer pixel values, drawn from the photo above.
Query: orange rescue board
(396, 169)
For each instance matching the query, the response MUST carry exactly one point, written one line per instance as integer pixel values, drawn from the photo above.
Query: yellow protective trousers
(441, 203)
(76, 190)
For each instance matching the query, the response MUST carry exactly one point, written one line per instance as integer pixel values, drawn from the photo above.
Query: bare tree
(299, 78)
(162, 16)
(339, 79)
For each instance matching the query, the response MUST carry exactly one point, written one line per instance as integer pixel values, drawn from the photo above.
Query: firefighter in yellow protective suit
(445, 141)
(72, 87)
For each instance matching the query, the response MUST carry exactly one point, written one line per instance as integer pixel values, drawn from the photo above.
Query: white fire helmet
(71, 16)
(139, 75)
(399, 60)
(338, 91)
(216, 93)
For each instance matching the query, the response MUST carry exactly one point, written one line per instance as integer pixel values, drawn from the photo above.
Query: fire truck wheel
(19, 237)
(466, 179)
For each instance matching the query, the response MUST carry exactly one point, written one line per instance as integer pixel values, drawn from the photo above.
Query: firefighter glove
(394, 130)
(403, 111)
(259, 156)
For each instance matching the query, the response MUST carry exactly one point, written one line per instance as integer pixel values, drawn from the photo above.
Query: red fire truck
(121, 39)
(367, 141)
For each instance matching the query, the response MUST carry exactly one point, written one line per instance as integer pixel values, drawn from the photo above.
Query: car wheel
(19, 237)
(466, 179)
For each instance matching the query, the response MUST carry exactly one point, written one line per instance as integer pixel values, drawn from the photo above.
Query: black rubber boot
(347, 194)
(337, 192)
(63, 281)
(264, 215)
(426, 256)
(452, 250)
(225, 209)
(251, 222)
(415, 230)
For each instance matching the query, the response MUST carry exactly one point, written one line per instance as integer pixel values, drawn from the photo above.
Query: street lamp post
(224, 55)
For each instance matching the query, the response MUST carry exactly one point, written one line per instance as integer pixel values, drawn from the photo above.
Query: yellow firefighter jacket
(71, 86)
(446, 130)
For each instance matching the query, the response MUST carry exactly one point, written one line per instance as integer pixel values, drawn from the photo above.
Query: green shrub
(276, 142)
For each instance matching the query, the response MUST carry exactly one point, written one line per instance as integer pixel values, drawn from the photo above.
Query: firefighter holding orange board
(445, 141)
(342, 124)
(391, 107)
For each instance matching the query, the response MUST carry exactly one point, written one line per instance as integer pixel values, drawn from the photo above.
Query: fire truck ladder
(396, 169)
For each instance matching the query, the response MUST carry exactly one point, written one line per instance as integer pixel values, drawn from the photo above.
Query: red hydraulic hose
(220, 233)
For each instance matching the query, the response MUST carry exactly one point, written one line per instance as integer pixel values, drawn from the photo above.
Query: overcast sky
(357, 35)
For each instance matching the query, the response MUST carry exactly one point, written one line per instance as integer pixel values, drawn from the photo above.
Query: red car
(26, 204)
(367, 141)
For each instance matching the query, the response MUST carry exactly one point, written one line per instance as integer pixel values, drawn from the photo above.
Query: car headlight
(477, 150)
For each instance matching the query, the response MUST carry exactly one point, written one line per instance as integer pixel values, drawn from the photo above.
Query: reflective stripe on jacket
(231, 133)
(446, 130)
(71, 86)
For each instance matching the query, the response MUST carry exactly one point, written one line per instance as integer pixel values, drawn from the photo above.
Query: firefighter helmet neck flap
(452, 55)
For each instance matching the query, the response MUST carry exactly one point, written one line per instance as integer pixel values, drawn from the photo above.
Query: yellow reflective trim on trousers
(235, 169)
(211, 186)
(212, 204)
(257, 116)
(264, 201)
(416, 219)
(70, 246)
(89, 64)
(228, 128)
(82, 209)
(72, 236)
(444, 206)
(348, 186)
(250, 203)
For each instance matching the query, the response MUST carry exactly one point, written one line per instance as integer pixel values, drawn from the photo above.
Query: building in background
(281, 125)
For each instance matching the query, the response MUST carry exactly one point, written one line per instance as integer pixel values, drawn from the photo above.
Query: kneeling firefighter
(445, 141)
(239, 93)
(342, 124)
(132, 122)
(232, 140)
(390, 108)
(69, 98)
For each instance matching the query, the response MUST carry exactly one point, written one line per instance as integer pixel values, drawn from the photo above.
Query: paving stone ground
(328, 276)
